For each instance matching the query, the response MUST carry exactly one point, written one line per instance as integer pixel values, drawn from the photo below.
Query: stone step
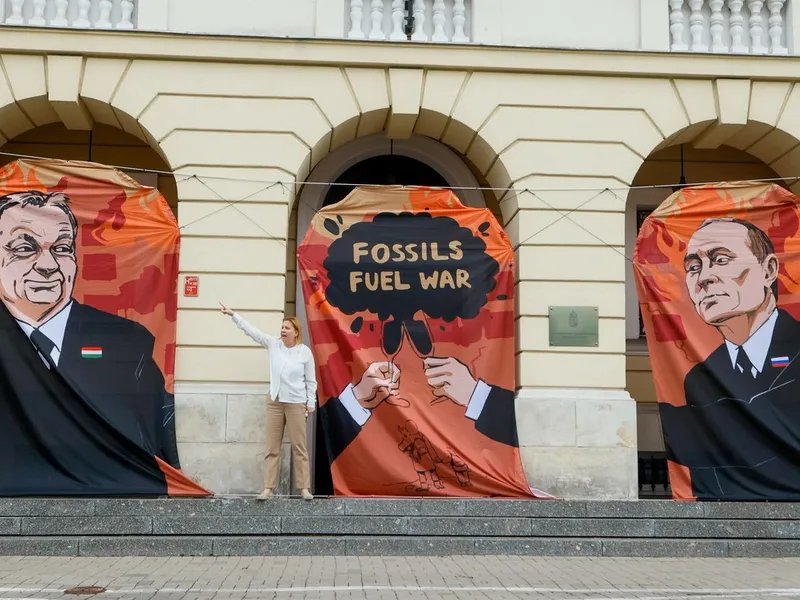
(390, 546)
(281, 526)
(428, 527)
(374, 507)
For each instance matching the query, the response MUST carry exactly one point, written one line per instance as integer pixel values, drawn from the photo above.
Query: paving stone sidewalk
(383, 578)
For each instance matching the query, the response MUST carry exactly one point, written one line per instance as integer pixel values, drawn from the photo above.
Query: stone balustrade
(735, 26)
(711, 26)
(84, 14)
(431, 20)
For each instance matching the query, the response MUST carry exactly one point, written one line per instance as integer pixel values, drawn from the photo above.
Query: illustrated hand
(379, 381)
(450, 378)
(225, 310)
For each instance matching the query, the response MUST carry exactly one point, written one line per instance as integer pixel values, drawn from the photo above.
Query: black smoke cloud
(400, 305)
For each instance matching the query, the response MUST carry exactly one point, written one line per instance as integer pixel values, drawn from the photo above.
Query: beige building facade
(243, 135)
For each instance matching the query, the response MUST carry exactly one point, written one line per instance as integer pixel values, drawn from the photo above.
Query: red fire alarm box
(191, 285)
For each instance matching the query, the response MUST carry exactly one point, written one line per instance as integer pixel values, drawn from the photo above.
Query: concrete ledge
(10, 525)
(469, 526)
(392, 546)
(666, 548)
(145, 546)
(38, 546)
(344, 525)
(216, 525)
(389, 507)
(282, 546)
(87, 525)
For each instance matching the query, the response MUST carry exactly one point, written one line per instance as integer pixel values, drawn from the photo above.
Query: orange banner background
(677, 337)
(344, 345)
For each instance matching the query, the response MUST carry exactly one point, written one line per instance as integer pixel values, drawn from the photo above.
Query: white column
(104, 19)
(37, 20)
(419, 34)
(376, 16)
(60, 19)
(152, 15)
(398, 16)
(16, 18)
(776, 27)
(356, 16)
(737, 26)
(83, 14)
(676, 26)
(438, 21)
(756, 27)
(696, 26)
(717, 27)
(126, 16)
(459, 21)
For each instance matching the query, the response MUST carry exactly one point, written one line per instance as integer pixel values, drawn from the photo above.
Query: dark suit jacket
(125, 386)
(91, 427)
(497, 421)
(740, 437)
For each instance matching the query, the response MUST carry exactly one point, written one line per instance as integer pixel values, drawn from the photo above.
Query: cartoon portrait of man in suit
(739, 432)
(106, 359)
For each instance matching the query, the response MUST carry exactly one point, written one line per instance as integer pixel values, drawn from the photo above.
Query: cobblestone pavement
(439, 578)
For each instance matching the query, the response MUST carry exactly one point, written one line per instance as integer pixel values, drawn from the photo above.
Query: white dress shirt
(292, 375)
(756, 347)
(54, 330)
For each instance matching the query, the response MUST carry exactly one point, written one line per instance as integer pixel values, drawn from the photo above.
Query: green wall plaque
(574, 326)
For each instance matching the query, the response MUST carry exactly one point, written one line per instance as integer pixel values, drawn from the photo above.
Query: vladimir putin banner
(718, 276)
(410, 303)
(88, 283)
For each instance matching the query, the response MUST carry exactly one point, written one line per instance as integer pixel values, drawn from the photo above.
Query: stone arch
(419, 133)
(401, 102)
(73, 92)
(403, 127)
(717, 149)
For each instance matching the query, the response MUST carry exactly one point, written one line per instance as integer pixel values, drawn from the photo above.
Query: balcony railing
(712, 26)
(736, 26)
(426, 20)
(98, 14)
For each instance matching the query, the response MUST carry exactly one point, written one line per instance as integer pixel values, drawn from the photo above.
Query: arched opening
(371, 160)
(386, 169)
(101, 144)
(663, 168)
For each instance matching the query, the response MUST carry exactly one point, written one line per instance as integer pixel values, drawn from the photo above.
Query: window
(641, 215)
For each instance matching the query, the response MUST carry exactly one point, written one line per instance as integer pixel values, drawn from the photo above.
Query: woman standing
(293, 391)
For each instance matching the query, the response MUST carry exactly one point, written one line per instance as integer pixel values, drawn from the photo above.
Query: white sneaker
(265, 495)
(306, 495)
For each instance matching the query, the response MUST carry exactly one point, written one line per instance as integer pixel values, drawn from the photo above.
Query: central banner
(410, 303)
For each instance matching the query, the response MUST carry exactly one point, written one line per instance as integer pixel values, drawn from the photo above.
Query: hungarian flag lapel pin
(91, 352)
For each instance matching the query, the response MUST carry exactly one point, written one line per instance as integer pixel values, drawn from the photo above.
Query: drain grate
(85, 590)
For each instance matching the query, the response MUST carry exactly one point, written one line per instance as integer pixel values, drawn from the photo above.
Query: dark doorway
(388, 169)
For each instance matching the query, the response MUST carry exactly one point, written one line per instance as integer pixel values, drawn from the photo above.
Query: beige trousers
(280, 415)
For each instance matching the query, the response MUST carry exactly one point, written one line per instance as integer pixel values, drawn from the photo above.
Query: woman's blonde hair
(297, 327)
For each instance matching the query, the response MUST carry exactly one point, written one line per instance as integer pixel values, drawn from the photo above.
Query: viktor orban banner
(718, 275)
(88, 282)
(410, 303)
